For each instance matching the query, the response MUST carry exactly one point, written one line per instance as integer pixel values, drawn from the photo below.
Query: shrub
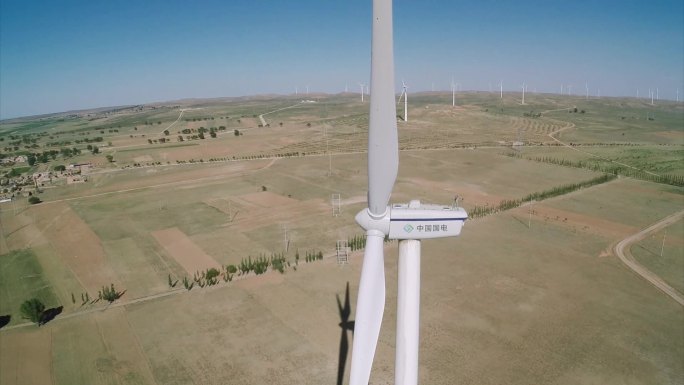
(109, 293)
(34, 200)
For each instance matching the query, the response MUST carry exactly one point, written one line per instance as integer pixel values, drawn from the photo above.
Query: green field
(23, 279)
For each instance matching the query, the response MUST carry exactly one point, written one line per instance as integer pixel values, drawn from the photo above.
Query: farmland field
(530, 293)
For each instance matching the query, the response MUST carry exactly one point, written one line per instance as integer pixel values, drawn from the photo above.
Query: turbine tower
(453, 93)
(501, 88)
(407, 222)
(361, 85)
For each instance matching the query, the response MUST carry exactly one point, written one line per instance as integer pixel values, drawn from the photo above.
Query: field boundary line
(622, 250)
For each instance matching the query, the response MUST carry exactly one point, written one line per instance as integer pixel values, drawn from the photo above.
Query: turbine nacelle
(415, 220)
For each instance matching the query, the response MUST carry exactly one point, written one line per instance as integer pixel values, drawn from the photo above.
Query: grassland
(528, 295)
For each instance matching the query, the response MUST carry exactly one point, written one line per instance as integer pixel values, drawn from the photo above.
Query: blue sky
(62, 55)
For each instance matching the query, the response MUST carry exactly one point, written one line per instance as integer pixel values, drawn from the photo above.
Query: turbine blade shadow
(346, 325)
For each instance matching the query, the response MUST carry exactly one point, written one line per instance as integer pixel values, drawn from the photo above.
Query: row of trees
(258, 265)
(482, 211)
(107, 293)
(615, 169)
(357, 242)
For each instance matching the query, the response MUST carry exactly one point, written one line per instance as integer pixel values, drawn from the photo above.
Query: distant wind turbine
(523, 93)
(586, 90)
(677, 94)
(362, 85)
(404, 87)
(501, 88)
(453, 92)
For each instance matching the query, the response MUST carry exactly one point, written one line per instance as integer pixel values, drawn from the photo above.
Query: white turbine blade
(370, 306)
(383, 147)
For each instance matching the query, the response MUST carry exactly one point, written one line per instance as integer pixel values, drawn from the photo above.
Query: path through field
(263, 121)
(622, 250)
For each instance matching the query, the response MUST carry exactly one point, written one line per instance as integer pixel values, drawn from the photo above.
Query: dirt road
(622, 250)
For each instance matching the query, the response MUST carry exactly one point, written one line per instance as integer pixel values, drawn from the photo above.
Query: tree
(212, 134)
(236, 132)
(201, 135)
(34, 200)
(31, 159)
(166, 132)
(32, 310)
(95, 150)
(110, 158)
(59, 167)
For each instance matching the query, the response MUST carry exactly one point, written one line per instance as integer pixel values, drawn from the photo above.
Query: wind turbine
(407, 222)
(586, 89)
(523, 93)
(453, 92)
(404, 87)
(361, 85)
(501, 89)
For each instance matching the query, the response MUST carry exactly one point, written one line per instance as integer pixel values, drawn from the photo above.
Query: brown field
(190, 256)
(26, 357)
(516, 299)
